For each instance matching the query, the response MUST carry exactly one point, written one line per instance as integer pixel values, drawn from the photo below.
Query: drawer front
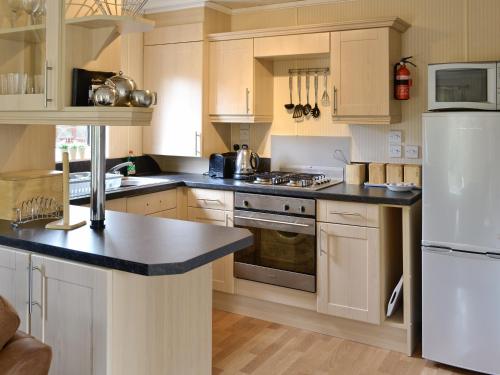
(208, 216)
(151, 203)
(118, 205)
(212, 199)
(349, 213)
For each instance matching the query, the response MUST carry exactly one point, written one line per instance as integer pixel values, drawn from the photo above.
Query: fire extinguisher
(402, 80)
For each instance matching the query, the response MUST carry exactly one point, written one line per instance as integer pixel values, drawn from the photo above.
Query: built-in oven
(284, 249)
(466, 85)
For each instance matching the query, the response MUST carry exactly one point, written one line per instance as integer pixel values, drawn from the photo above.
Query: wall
(441, 31)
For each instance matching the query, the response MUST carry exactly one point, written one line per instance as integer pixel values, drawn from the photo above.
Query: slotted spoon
(307, 108)
(315, 111)
(299, 108)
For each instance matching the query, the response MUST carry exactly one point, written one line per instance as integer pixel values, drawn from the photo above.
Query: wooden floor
(243, 345)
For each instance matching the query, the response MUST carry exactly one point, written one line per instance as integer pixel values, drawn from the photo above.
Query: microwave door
(463, 86)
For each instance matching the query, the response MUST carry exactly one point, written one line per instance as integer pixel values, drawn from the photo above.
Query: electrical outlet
(394, 151)
(411, 152)
(396, 137)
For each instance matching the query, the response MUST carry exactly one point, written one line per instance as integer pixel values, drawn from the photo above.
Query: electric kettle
(246, 164)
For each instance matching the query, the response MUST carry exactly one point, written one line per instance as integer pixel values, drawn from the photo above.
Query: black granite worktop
(341, 192)
(132, 243)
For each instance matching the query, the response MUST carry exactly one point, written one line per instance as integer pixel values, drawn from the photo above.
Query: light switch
(396, 137)
(411, 152)
(394, 151)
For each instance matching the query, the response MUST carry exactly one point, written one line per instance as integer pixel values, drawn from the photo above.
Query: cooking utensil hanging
(290, 105)
(315, 111)
(299, 108)
(325, 99)
(307, 108)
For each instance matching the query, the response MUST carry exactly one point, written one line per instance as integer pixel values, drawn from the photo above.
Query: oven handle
(272, 221)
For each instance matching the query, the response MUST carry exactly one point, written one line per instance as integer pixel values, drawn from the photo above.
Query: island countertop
(132, 243)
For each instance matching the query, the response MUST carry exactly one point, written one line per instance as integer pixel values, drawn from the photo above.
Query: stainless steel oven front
(284, 249)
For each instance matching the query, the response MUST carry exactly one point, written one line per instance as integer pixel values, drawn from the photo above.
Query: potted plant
(82, 147)
(73, 149)
(61, 147)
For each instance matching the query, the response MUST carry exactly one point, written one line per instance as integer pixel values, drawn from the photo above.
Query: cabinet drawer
(208, 216)
(213, 199)
(366, 215)
(118, 205)
(151, 203)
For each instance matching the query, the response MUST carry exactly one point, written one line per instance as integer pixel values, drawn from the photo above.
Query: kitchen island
(135, 298)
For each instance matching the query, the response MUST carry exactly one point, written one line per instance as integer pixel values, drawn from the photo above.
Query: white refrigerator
(461, 240)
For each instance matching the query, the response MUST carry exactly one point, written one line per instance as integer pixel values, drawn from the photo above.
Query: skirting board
(382, 336)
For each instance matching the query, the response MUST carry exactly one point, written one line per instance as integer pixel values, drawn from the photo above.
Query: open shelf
(397, 319)
(30, 34)
(104, 116)
(124, 24)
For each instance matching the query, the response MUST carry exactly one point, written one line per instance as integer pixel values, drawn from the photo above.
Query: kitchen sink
(142, 181)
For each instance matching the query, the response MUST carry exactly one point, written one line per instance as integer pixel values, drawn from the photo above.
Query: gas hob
(294, 180)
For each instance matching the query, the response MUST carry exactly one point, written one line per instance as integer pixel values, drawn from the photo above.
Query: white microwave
(456, 86)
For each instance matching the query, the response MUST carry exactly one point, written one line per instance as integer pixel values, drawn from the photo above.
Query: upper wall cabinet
(241, 87)
(362, 64)
(29, 59)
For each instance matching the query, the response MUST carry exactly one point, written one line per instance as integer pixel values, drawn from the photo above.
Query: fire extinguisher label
(403, 92)
(402, 78)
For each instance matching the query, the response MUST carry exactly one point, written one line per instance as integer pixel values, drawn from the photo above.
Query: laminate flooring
(244, 345)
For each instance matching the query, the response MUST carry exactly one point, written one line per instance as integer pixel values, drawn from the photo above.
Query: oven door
(463, 86)
(283, 253)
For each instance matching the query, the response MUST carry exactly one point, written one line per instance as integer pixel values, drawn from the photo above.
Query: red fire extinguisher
(402, 79)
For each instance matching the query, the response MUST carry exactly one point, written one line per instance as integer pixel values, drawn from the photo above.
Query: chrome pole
(97, 176)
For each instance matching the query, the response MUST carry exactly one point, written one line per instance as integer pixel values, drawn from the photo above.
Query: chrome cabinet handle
(197, 136)
(334, 99)
(272, 221)
(31, 302)
(247, 92)
(321, 251)
(46, 88)
(345, 213)
(208, 200)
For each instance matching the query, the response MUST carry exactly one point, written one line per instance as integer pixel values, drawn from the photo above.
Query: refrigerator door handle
(440, 250)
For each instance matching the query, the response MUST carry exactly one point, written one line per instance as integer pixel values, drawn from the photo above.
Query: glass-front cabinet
(29, 58)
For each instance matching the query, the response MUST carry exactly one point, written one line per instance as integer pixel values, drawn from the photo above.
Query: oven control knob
(245, 203)
(302, 209)
(286, 207)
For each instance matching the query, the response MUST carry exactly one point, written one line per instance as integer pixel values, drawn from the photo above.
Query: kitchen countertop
(132, 243)
(341, 192)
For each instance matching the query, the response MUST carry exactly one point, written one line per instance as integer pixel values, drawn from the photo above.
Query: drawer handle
(209, 200)
(346, 213)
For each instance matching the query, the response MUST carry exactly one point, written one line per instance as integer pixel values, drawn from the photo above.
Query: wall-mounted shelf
(108, 116)
(123, 24)
(31, 34)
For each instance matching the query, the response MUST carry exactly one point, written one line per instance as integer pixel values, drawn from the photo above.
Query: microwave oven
(456, 86)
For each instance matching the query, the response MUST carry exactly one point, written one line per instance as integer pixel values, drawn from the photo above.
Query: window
(75, 140)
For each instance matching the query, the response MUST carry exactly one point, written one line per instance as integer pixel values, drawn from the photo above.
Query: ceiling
(236, 4)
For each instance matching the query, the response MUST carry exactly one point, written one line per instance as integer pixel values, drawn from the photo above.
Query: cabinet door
(360, 71)
(29, 62)
(175, 72)
(231, 77)
(70, 314)
(14, 282)
(222, 269)
(348, 272)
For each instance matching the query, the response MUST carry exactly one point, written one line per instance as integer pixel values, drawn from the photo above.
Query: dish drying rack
(85, 8)
(38, 208)
(79, 183)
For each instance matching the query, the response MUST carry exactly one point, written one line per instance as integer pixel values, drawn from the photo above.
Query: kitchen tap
(117, 167)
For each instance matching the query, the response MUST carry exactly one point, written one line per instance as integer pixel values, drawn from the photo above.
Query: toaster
(222, 165)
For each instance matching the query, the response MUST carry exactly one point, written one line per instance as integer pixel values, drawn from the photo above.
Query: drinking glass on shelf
(23, 83)
(39, 84)
(12, 83)
(3, 84)
(30, 84)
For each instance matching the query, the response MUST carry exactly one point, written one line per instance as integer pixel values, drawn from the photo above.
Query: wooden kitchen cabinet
(362, 74)
(148, 204)
(241, 87)
(349, 272)
(71, 314)
(175, 72)
(14, 282)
